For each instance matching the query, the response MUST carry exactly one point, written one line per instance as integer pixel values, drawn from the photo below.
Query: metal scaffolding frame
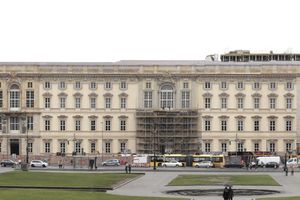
(167, 131)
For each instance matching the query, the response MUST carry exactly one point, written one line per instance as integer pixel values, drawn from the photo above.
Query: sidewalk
(154, 184)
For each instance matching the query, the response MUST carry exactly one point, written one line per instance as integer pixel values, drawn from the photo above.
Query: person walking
(126, 168)
(292, 170)
(230, 193)
(226, 193)
(129, 168)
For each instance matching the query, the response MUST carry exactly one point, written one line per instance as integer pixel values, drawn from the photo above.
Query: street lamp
(102, 142)
(25, 130)
(154, 145)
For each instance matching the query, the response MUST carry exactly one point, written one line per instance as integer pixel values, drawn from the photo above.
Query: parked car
(172, 163)
(111, 162)
(272, 165)
(233, 165)
(8, 163)
(204, 164)
(38, 163)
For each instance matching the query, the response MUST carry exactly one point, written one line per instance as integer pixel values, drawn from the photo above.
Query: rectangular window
(288, 147)
(107, 147)
(29, 84)
(93, 85)
(224, 103)
(240, 102)
(148, 85)
(47, 147)
(123, 85)
(240, 125)
(77, 124)
(256, 125)
(29, 99)
(207, 125)
(107, 125)
(288, 125)
(62, 85)
(1, 99)
(93, 102)
(223, 85)
(272, 85)
(123, 147)
(77, 102)
(272, 125)
(288, 103)
(223, 125)
(272, 103)
(47, 125)
(272, 147)
(93, 125)
(240, 85)
(185, 85)
(14, 123)
(224, 147)
(256, 103)
(207, 85)
(108, 85)
(62, 125)
(62, 147)
(77, 85)
(62, 102)
(207, 147)
(207, 102)
(185, 99)
(256, 147)
(107, 102)
(78, 147)
(256, 85)
(123, 102)
(14, 99)
(148, 99)
(47, 85)
(123, 125)
(30, 123)
(240, 147)
(289, 85)
(47, 102)
(29, 147)
(93, 147)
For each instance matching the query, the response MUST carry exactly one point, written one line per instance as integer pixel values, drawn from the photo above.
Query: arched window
(14, 97)
(166, 96)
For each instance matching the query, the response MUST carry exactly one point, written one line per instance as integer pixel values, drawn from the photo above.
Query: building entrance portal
(14, 146)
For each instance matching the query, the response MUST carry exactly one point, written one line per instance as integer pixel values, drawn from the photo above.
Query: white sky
(111, 30)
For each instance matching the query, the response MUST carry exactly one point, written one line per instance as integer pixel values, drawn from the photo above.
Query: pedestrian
(230, 193)
(126, 167)
(129, 168)
(292, 170)
(286, 171)
(226, 193)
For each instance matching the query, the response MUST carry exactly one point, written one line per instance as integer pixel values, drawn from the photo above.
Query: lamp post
(25, 130)
(154, 145)
(74, 152)
(102, 142)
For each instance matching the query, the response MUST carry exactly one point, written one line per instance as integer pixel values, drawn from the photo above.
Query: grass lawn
(20, 178)
(280, 198)
(186, 180)
(63, 195)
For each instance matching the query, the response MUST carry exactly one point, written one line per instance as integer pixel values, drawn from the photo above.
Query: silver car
(111, 162)
(38, 163)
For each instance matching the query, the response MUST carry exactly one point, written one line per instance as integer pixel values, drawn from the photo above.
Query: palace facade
(149, 106)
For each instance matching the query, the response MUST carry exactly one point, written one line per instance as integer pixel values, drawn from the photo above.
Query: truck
(262, 161)
(295, 162)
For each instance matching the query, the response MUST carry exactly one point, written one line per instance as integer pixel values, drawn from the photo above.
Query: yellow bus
(166, 158)
(217, 159)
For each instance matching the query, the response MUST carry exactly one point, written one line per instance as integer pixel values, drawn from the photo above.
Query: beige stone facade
(92, 107)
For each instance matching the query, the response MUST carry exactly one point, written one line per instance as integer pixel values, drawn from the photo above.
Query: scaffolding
(167, 131)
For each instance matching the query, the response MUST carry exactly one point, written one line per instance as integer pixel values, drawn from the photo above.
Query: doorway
(14, 146)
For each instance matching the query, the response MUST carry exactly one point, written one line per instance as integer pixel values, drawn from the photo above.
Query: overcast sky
(96, 31)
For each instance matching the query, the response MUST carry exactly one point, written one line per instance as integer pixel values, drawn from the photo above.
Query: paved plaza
(154, 184)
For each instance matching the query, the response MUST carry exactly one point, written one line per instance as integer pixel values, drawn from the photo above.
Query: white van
(262, 161)
(293, 162)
